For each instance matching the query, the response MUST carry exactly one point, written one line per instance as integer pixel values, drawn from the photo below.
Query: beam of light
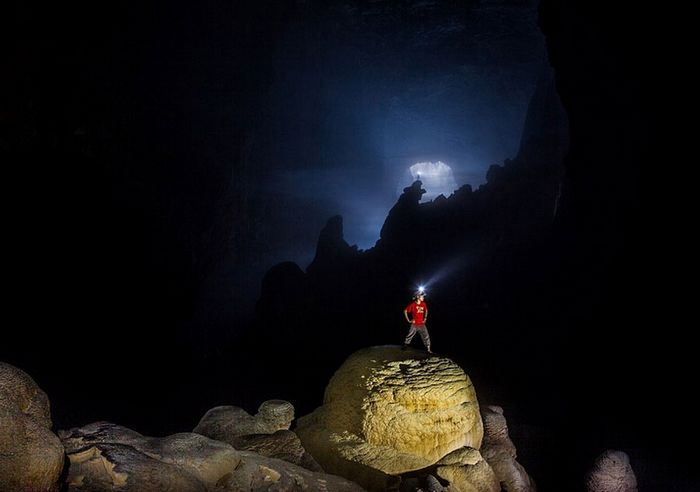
(447, 269)
(437, 178)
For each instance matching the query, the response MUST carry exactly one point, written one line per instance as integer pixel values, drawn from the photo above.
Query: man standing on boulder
(418, 310)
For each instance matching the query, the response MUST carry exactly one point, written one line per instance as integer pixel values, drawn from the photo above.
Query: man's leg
(411, 334)
(426, 337)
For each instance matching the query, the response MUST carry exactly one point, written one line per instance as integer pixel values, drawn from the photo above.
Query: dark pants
(423, 334)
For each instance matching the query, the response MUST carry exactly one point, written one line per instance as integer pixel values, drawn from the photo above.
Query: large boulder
(229, 423)
(31, 456)
(107, 457)
(612, 472)
(387, 412)
(500, 453)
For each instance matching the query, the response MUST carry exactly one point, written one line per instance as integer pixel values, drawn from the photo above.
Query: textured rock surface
(107, 467)
(612, 472)
(31, 456)
(257, 473)
(107, 457)
(228, 423)
(478, 477)
(499, 451)
(266, 433)
(388, 412)
(422, 484)
(284, 445)
(466, 470)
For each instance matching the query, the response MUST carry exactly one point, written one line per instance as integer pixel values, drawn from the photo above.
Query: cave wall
(125, 132)
(614, 245)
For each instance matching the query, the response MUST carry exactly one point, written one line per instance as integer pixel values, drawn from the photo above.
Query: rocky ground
(391, 419)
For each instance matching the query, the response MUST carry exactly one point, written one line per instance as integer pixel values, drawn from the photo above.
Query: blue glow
(437, 178)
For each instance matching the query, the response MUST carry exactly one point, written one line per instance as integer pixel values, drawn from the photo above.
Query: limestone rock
(612, 472)
(466, 470)
(331, 246)
(461, 456)
(31, 456)
(228, 423)
(108, 467)
(98, 433)
(433, 485)
(477, 477)
(387, 412)
(284, 445)
(204, 458)
(107, 457)
(499, 451)
(496, 437)
(427, 483)
(257, 474)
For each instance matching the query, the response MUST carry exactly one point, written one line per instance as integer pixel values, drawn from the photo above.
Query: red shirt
(417, 312)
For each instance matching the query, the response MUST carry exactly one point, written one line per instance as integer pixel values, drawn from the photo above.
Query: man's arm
(405, 313)
(425, 318)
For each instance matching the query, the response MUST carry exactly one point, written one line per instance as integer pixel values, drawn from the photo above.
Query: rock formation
(331, 246)
(387, 412)
(499, 451)
(31, 456)
(227, 423)
(611, 472)
(425, 484)
(266, 433)
(257, 473)
(466, 471)
(283, 444)
(106, 457)
(400, 224)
